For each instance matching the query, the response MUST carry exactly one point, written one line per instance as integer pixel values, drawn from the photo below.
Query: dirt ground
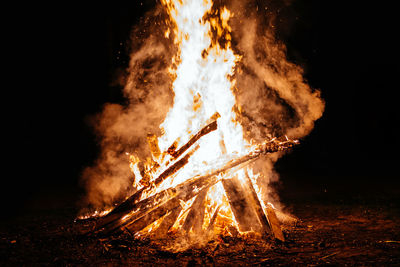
(335, 228)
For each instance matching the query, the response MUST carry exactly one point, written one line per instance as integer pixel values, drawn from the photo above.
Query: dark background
(64, 58)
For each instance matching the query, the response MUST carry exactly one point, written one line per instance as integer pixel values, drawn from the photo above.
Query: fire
(197, 178)
(203, 84)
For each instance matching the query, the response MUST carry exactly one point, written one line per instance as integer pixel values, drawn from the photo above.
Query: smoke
(123, 128)
(275, 87)
(271, 94)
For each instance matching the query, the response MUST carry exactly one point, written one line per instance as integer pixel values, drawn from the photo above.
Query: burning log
(167, 222)
(149, 211)
(205, 130)
(195, 217)
(184, 191)
(128, 204)
(140, 214)
(274, 223)
(256, 204)
(244, 214)
(138, 224)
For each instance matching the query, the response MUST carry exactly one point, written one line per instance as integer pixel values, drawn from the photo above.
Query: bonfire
(199, 179)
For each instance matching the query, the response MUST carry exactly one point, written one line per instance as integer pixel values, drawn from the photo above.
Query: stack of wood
(137, 212)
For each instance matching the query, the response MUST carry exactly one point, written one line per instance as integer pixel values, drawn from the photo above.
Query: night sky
(66, 58)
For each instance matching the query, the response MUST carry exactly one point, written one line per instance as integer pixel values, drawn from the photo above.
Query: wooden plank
(205, 130)
(135, 209)
(239, 202)
(167, 222)
(129, 204)
(274, 224)
(140, 223)
(256, 204)
(157, 204)
(195, 218)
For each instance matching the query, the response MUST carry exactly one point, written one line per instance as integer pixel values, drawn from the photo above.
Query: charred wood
(256, 204)
(167, 222)
(129, 203)
(194, 219)
(274, 224)
(205, 130)
(184, 192)
(137, 223)
(237, 197)
(131, 211)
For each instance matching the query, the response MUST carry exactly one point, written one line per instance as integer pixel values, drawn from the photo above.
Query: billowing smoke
(275, 99)
(272, 96)
(124, 128)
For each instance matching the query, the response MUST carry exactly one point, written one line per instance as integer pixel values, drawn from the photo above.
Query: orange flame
(202, 72)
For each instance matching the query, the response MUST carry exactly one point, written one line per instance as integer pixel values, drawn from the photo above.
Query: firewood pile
(147, 205)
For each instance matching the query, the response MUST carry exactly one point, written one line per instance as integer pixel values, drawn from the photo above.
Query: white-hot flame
(203, 83)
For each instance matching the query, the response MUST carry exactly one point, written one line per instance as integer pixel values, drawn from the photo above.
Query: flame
(203, 81)
(203, 72)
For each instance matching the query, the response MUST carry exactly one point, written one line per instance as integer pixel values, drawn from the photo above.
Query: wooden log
(167, 222)
(137, 210)
(205, 130)
(194, 219)
(267, 147)
(199, 218)
(239, 202)
(138, 224)
(184, 191)
(256, 204)
(153, 143)
(274, 224)
(129, 204)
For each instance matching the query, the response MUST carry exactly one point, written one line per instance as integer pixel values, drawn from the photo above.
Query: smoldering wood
(116, 220)
(274, 224)
(175, 167)
(199, 218)
(205, 130)
(129, 203)
(183, 191)
(239, 202)
(140, 223)
(256, 204)
(137, 223)
(167, 222)
(153, 142)
(194, 219)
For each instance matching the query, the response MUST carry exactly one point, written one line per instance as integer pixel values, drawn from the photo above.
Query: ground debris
(328, 234)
